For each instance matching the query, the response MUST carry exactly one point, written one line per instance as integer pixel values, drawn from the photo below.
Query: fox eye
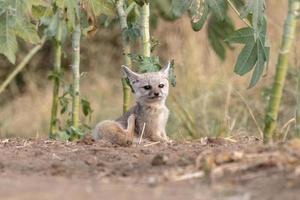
(147, 87)
(161, 85)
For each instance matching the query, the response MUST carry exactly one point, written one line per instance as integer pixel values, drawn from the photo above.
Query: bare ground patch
(210, 168)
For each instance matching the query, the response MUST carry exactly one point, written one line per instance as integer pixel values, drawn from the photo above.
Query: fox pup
(149, 115)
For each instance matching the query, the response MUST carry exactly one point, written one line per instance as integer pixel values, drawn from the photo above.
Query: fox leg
(160, 136)
(164, 135)
(114, 132)
(157, 137)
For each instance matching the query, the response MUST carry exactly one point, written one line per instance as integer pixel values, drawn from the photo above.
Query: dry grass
(208, 99)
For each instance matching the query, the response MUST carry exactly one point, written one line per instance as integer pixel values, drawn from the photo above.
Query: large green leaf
(254, 54)
(15, 21)
(8, 41)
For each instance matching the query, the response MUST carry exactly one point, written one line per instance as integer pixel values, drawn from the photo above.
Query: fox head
(149, 87)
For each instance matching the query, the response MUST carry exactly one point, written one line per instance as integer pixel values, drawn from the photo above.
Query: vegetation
(281, 69)
(38, 21)
(126, 50)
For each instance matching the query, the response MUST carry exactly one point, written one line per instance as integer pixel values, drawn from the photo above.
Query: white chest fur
(154, 118)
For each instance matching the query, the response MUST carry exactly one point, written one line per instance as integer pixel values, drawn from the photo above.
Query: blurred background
(208, 100)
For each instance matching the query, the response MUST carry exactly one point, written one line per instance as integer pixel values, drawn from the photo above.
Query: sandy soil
(207, 169)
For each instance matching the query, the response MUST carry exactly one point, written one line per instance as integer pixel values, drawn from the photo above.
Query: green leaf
(256, 8)
(51, 23)
(199, 21)
(260, 65)
(101, 7)
(146, 64)
(217, 31)
(263, 52)
(246, 59)
(216, 43)
(132, 33)
(8, 40)
(255, 53)
(243, 35)
(27, 31)
(64, 103)
(172, 76)
(218, 7)
(38, 12)
(63, 135)
(86, 107)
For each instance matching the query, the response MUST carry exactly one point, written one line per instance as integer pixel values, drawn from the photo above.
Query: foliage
(69, 132)
(15, 22)
(217, 32)
(152, 64)
(255, 55)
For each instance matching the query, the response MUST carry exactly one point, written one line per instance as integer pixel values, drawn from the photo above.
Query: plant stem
(76, 75)
(56, 81)
(146, 29)
(20, 66)
(298, 108)
(238, 13)
(281, 70)
(126, 51)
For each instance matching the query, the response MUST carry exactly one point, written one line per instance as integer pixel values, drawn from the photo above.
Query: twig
(153, 143)
(189, 176)
(251, 113)
(287, 127)
(230, 140)
(143, 130)
(19, 67)
(238, 13)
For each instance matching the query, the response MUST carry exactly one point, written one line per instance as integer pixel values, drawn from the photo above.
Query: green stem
(20, 66)
(56, 81)
(146, 29)
(281, 70)
(126, 51)
(298, 108)
(76, 75)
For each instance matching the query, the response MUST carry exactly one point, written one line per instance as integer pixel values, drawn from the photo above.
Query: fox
(148, 117)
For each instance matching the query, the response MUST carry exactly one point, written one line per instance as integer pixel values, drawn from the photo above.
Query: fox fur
(149, 113)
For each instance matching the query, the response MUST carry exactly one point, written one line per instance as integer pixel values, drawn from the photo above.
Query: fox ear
(132, 76)
(165, 70)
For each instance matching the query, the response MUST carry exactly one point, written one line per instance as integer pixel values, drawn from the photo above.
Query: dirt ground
(239, 168)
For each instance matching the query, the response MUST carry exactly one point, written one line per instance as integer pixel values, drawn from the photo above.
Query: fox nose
(156, 94)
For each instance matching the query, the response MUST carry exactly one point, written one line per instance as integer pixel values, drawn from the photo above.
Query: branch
(19, 67)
